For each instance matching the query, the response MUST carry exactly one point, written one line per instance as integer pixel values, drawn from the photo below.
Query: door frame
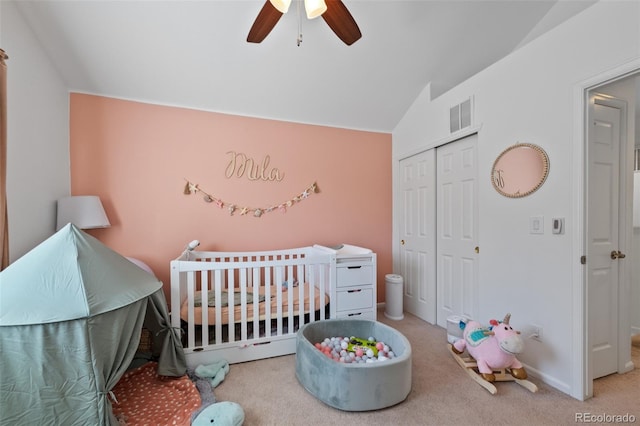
(582, 380)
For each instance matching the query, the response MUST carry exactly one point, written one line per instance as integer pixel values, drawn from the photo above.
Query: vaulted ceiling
(194, 54)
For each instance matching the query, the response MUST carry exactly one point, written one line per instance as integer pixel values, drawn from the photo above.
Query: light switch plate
(536, 225)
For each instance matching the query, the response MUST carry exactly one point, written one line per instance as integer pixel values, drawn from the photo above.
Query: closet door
(604, 261)
(417, 213)
(457, 229)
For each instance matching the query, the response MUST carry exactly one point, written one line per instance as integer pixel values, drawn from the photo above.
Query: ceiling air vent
(460, 116)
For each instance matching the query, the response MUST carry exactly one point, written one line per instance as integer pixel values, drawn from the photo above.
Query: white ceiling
(194, 53)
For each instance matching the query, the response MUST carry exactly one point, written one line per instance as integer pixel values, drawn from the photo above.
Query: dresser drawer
(368, 314)
(348, 276)
(349, 300)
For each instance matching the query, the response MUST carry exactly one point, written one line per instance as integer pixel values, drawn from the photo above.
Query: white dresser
(354, 295)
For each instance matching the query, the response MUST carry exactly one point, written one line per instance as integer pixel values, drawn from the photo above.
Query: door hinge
(583, 260)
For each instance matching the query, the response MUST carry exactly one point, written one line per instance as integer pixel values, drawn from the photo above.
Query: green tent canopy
(71, 315)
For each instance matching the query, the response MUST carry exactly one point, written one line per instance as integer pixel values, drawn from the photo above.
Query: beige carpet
(442, 393)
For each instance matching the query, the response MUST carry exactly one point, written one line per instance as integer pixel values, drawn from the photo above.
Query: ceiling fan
(334, 12)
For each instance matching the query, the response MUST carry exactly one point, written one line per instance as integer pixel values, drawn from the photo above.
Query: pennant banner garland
(191, 188)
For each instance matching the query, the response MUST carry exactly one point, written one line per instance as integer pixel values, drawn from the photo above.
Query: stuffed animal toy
(493, 348)
(215, 372)
(225, 413)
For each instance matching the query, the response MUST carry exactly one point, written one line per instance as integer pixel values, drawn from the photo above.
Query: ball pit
(352, 349)
(354, 386)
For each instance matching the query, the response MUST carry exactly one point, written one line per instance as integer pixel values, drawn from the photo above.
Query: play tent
(71, 315)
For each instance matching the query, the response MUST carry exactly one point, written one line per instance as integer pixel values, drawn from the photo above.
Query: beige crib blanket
(319, 302)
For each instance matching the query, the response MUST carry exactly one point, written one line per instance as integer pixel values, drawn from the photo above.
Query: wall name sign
(240, 165)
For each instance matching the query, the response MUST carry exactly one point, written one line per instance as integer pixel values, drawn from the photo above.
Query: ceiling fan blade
(264, 23)
(341, 22)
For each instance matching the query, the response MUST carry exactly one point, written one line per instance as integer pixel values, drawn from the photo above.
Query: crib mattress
(319, 302)
(144, 398)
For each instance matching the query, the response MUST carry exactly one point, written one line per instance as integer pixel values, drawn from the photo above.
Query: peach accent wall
(136, 157)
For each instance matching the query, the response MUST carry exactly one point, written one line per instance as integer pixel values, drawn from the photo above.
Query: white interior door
(457, 229)
(417, 234)
(603, 201)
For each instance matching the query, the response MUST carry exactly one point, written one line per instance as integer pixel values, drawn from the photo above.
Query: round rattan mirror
(520, 170)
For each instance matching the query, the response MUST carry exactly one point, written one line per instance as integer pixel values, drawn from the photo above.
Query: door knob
(617, 255)
(402, 242)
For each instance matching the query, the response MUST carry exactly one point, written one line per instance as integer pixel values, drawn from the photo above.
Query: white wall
(530, 97)
(38, 170)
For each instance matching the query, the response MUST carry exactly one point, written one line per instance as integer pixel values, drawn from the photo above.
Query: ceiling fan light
(314, 8)
(281, 5)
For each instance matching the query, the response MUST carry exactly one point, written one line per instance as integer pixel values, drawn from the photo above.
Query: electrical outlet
(536, 332)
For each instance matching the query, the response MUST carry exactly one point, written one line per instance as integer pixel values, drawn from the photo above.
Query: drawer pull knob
(353, 315)
(354, 291)
(354, 267)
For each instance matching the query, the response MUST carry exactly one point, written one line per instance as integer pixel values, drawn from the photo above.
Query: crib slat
(243, 303)
(231, 284)
(291, 290)
(301, 295)
(219, 284)
(324, 278)
(311, 279)
(255, 288)
(279, 279)
(267, 297)
(191, 285)
(204, 303)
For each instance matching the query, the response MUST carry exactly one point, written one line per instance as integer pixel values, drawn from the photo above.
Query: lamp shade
(84, 211)
(314, 8)
(281, 5)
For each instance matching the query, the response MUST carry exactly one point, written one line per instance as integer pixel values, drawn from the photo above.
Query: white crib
(242, 306)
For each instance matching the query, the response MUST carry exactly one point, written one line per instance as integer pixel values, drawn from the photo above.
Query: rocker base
(504, 375)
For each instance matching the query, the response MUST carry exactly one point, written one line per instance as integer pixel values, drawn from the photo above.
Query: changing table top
(344, 250)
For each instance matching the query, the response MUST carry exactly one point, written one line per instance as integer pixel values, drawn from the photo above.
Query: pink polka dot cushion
(144, 398)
